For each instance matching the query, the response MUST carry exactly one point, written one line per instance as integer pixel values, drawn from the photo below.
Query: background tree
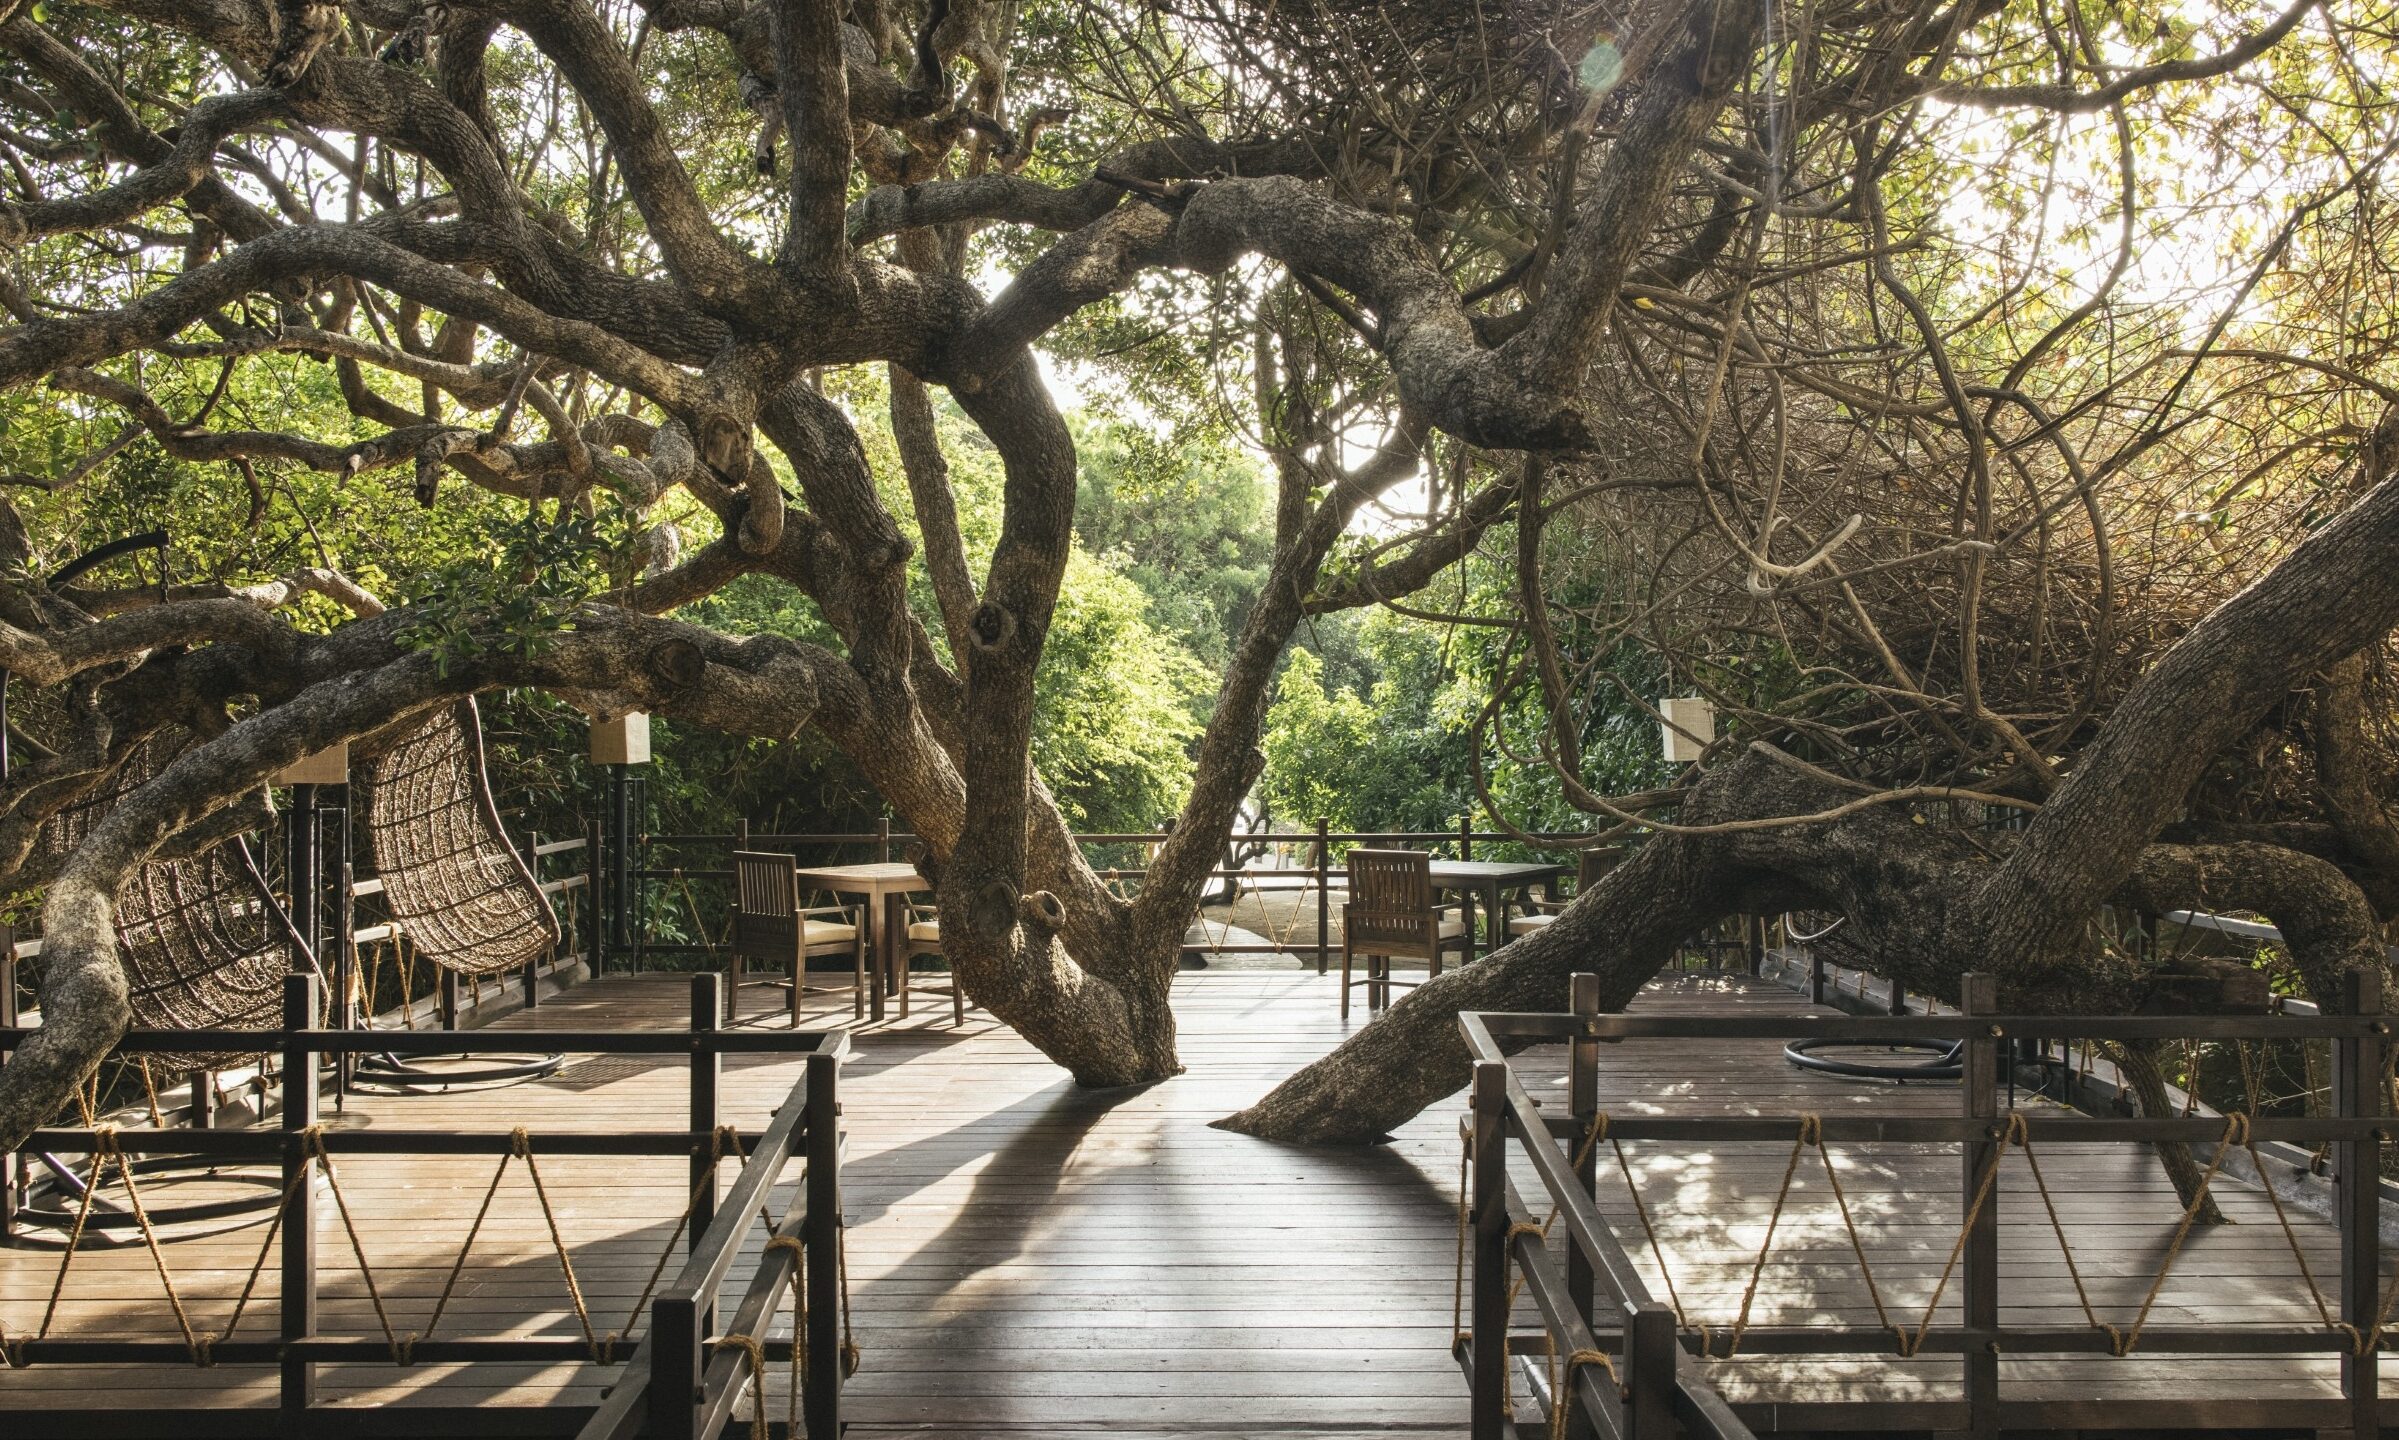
(1631, 302)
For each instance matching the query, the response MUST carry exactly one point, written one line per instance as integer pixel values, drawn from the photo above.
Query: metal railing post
(821, 1251)
(883, 840)
(346, 984)
(1487, 1332)
(532, 974)
(707, 1071)
(1324, 894)
(595, 865)
(1815, 978)
(1582, 1098)
(9, 1019)
(675, 1336)
(297, 1306)
(1649, 1359)
(2357, 1093)
(1979, 1273)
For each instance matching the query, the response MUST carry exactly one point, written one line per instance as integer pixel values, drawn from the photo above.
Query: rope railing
(803, 1252)
(1503, 1252)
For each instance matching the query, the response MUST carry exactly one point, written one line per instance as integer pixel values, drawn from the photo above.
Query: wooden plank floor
(1028, 1259)
(1025, 1258)
(1709, 1206)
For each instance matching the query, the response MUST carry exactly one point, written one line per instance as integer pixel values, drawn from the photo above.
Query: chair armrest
(848, 913)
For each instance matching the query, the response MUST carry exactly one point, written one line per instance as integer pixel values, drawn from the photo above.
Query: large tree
(1666, 291)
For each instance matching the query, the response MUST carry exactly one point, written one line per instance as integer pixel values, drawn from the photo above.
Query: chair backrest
(1592, 864)
(1390, 897)
(766, 904)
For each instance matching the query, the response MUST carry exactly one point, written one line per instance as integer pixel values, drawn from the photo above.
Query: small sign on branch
(1690, 726)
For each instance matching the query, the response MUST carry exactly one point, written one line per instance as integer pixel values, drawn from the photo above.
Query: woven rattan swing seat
(453, 885)
(205, 946)
(204, 943)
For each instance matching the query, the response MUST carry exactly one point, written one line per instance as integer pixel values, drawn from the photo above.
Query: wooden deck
(1027, 1259)
(1709, 1207)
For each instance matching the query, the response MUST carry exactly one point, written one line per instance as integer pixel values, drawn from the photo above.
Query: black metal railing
(1599, 1304)
(670, 1387)
(1317, 874)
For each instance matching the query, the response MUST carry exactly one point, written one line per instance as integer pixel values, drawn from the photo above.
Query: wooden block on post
(329, 766)
(624, 740)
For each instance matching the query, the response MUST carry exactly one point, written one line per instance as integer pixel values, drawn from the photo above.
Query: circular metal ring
(414, 1073)
(1946, 1059)
(48, 1204)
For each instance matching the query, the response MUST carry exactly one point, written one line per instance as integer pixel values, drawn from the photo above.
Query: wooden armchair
(1538, 914)
(924, 938)
(772, 927)
(1390, 914)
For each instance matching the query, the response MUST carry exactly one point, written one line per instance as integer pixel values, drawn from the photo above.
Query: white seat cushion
(1527, 924)
(824, 932)
(1452, 926)
(928, 931)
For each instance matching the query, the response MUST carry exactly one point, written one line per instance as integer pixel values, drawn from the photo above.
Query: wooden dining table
(885, 888)
(1492, 882)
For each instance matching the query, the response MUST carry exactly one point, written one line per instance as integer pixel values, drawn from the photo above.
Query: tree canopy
(1985, 402)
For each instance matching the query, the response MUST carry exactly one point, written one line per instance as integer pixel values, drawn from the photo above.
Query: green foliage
(515, 597)
(1113, 712)
(1185, 519)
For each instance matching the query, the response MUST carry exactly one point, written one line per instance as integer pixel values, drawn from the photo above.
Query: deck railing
(675, 1384)
(1600, 1305)
(1317, 874)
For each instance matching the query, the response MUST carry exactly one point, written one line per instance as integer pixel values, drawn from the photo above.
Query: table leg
(877, 935)
(895, 930)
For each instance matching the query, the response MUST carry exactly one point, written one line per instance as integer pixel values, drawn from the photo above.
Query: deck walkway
(1025, 1258)
(1710, 1204)
(1032, 1260)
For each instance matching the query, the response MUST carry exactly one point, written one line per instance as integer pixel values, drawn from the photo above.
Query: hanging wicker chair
(204, 943)
(454, 885)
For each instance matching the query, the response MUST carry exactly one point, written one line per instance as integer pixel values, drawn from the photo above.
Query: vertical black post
(346, 983)
(1649, 1359)
(821, 1251)
(1466, 836)
(1899, 998)
(298, 1307)
(675, 1335)
(595, 844)
(1487, 1332)
(446, 993)
(1815, 978)
(2357, 1094)
(9, 1019)
(532, 975)
(620, 872)
(1979, 1274)
(1582, 1098)
(1753, 934)
(883, 840)
(301, 854)
(1324, 894)
(707, 1068)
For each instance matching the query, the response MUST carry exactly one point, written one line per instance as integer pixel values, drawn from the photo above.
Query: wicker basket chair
(204, 942)
(205, 945)
(451, 881)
